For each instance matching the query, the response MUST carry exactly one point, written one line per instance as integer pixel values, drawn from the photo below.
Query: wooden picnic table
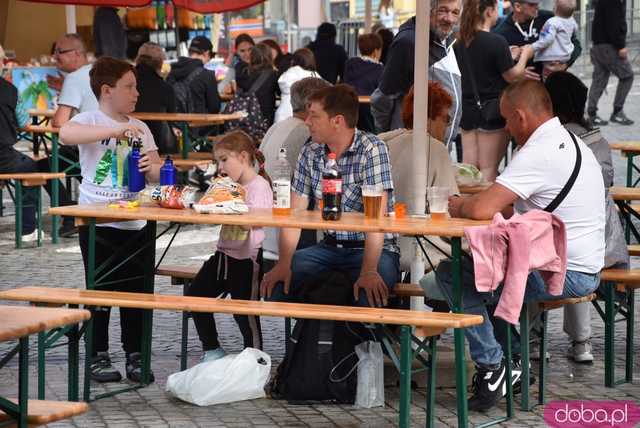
(628, 149)
(46, 113)
(91, 214)
(19, 322)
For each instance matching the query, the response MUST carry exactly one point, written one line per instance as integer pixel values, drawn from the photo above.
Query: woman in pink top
(233, 268)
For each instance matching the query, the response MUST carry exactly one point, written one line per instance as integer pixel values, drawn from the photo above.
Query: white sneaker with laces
(580, 352)
(33, 236)
(213, 354)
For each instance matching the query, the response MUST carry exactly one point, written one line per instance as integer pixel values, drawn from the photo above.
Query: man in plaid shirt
(372, 260)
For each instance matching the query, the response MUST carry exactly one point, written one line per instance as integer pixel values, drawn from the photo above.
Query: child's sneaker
(134, 368)
(102, 370)
(213, 354)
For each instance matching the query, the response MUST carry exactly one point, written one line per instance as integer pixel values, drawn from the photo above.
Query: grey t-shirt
(76, 91)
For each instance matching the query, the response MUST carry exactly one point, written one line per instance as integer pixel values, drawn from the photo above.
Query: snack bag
(224, 196)
(173, 196)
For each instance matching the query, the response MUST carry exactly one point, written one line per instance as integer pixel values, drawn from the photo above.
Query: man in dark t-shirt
(523, 26)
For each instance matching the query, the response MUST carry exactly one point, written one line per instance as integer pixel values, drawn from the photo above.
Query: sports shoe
(102, 370)
(621, 119)
(517, 382)
(580, 352)
(534, 351)
(488, 386)
(596, 120)
(134, 368)
(33, 236)
(213, 354)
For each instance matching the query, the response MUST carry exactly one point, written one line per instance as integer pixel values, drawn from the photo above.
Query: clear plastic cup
(438, 198)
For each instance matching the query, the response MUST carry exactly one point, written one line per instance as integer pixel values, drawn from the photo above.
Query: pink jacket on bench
(507, 250)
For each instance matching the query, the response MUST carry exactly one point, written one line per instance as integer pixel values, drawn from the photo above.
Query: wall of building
(29, 29)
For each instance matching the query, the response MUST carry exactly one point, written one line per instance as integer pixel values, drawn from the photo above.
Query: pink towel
(507, 250)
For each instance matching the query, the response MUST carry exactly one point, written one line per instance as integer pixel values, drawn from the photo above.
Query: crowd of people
(493, 82)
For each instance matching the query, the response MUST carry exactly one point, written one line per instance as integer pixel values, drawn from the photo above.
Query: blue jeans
(321, 257)
(483, 346)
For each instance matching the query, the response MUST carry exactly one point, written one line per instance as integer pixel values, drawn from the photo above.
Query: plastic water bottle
(168, 172)
(282, 184)
(136, 177)
(331, 190)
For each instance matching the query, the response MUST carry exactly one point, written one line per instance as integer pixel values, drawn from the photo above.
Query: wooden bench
(427, 324)
(30, 179)
(628, 149)
(43, 412)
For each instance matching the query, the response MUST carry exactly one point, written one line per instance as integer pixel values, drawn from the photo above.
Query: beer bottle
(282, 184)
(331, 190)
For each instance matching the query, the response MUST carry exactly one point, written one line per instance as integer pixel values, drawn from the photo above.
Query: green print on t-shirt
(103, 168)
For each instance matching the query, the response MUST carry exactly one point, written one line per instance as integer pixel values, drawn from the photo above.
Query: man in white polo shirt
(538, 173)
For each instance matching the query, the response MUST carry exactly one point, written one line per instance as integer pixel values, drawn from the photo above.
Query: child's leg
(207, 284)
(242, 283)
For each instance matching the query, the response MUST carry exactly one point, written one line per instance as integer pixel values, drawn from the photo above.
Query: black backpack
(182, 89)
(254, 124)
(320, 363)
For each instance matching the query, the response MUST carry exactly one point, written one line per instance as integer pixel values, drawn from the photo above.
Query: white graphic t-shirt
(104, 165)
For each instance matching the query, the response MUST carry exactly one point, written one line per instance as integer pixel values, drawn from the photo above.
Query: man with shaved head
(547, 157)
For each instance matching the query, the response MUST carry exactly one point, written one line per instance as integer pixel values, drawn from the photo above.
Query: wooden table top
(625, 193)
(33, 175)
(240, 307)
(354, 222)
(42, 113)
(626, 146)
(41, 129)
(21, 321)
(188, 117)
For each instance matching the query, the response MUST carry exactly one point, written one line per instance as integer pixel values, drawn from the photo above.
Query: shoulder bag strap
(572, 179)
(264, 75)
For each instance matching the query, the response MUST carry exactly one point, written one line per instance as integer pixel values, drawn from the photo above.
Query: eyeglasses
(63, 51)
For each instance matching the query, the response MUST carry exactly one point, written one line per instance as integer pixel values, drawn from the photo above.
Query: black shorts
(472, 118)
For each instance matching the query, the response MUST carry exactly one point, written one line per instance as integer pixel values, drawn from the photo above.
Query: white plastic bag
(235, 377)
(370, 392)
(467, 175)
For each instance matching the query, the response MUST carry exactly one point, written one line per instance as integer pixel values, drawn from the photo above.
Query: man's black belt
(339, 243)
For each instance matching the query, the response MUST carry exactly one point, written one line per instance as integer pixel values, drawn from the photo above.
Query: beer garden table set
(92, 214)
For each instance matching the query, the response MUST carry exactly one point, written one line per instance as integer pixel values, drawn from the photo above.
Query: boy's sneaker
(102, 370)
(213, 354)
(534, 351)
(517, 381)
(580, 352)
(489, 386)
(621, 119)
(134, 368)
(596, 121)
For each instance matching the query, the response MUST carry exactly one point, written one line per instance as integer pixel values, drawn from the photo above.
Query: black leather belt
(338, 243)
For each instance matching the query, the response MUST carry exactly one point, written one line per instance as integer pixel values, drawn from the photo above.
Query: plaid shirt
(366, 161)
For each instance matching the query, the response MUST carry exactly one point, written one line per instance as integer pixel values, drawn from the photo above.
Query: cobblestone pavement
(61, 266)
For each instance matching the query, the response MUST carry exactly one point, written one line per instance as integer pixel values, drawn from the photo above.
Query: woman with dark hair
(330, 57)
(281, 60)
(239, 62)
(569, 96)
(387, 37)
(156, 95)
(487, 67)
(303, 64)
(262, 73)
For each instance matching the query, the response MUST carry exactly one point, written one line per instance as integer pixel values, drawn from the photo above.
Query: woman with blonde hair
(487, 66)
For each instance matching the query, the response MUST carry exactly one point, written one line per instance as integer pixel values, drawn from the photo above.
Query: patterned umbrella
(199, 6)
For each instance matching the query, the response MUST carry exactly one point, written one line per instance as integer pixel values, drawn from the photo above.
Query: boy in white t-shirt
(101, 137)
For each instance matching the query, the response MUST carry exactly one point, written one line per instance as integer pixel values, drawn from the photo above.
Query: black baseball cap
(201, 45)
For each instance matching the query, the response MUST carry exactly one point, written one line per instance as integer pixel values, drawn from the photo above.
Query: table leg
(23, 382)
(147, 320)
(630, 332)
(186, 142)
(458, 333)
(19, 202)
(73, 349)
(88, 334)
(405, 376)
(41, 365)
(524, 357)
(185, 330)
(431, 383)
(609, 333)
(39, 214)
(55, 187)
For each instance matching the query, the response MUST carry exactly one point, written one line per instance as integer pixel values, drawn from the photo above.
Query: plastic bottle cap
(331, 156)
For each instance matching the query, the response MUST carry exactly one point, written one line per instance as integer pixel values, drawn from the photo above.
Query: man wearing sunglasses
(523, 26)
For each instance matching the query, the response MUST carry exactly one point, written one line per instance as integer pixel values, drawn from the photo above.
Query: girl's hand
(127, 130)
(145, 163)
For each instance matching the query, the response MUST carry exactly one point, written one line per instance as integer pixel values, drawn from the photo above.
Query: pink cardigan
(507, 250)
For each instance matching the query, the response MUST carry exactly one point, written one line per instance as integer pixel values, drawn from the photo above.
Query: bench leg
(524, 356)
(1, 203)
(185, 331)
(23, 382)
(55, 187)
(88, 334)
(405, 376)
(41, 365)
(39, 214)
(74, 360)
(458, 334)
(609, 333)
(542, 369)
(147, 317)
(431, 383)
(18, 205)
(630, 333)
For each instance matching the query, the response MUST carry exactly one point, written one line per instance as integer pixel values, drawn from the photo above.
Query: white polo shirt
(538, 173)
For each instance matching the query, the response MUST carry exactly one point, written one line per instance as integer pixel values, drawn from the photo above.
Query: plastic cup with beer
(438, 198)
(372, 200)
